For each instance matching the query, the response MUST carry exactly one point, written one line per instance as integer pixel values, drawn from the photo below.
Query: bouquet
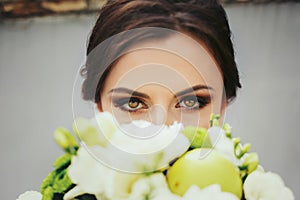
(121, 162)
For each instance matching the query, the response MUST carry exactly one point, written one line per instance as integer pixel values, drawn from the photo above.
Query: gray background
(39, 60)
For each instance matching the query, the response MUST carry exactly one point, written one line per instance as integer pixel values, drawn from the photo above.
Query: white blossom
(30, 195)
(154, 187)
(90, 176)
(139, 146)
(208, 193)
(266, 186)
(223, 144)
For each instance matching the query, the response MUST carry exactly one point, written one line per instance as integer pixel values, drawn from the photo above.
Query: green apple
(212, 168)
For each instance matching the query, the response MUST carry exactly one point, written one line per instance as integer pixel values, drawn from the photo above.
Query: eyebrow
(193, 89)
(140, 94)
(129, 91)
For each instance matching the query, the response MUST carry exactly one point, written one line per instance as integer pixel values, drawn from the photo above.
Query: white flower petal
(266, 186)
(208, 193)
(74, 192)
(154, 187)
(30, 195)
(223, 144)
(92, 177)
(131, 149)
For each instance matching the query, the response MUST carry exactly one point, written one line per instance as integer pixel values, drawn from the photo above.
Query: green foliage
(58, 180)
(62, 161)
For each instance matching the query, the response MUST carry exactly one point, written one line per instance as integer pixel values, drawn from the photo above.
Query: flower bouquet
(121, 162)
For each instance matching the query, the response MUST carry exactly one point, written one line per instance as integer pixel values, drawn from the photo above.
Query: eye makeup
(190, 99)
(193, 102)
(130, 104)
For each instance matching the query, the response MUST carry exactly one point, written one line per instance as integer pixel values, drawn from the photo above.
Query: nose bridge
(162, 99)
(160, 113)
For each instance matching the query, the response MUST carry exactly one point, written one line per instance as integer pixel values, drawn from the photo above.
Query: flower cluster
(178, 163)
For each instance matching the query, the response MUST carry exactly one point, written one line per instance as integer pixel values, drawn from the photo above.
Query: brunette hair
(205, 20)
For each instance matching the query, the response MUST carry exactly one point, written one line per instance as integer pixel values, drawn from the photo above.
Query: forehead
(176, 61)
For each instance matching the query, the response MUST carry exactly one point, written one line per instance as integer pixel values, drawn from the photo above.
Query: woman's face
(162, 81)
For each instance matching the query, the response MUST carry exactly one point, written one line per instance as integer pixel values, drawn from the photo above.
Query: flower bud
(227, 129)
(236, 141)
(214, 120)
(252, 162)
(65, 139)
(246, 147)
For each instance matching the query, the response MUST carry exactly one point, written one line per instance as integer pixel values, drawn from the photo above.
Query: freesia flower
(152, 187)
(223, 144)
(95, 131)
(211, 192)
(155, 187)
(139, 146)
(266, 186)
(30, 195)
(90, 176)
(145, 154)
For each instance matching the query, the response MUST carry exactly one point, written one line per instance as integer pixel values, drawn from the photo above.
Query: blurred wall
(40, 58)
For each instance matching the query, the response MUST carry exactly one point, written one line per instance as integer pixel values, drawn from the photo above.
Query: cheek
(199, 118)
(105, 104)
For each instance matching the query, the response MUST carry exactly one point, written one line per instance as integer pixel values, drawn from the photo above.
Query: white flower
(149, 148)
(90, 176)
(95, 131)
(153, 187)
(266, 186)
(223, 144)
(208, 193)
(139, 146)
(30, 195)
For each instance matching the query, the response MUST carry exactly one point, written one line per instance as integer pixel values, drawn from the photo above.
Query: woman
(162, 61)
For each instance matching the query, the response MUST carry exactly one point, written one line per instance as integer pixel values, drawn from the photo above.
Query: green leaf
(62, 182)
(47, 182)
(63, 161)
(57, 181)
(48, 194)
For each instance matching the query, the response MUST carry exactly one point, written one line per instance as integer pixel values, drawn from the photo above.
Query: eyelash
(201, 100)
(122, 102)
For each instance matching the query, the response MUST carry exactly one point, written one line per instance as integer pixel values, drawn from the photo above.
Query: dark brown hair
(204, 20)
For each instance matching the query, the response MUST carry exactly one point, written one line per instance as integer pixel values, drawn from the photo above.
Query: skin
(162, 83)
